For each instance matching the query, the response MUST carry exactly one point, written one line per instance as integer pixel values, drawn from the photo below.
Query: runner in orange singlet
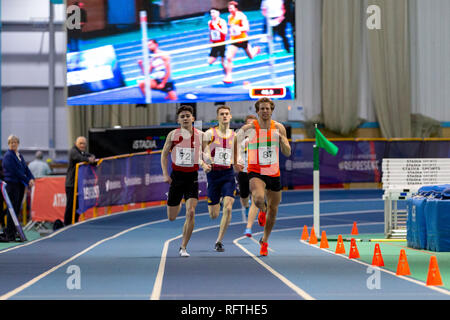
(267, 138)
(238, 26)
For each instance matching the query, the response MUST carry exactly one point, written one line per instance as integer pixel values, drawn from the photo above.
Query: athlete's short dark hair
(250, 116)
(223, 107)
(185, 108)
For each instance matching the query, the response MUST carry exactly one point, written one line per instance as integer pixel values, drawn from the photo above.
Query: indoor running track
(134, 255)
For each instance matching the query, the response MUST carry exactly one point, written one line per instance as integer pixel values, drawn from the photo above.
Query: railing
(137, 178)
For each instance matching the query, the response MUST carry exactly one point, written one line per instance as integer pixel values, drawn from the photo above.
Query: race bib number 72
(184, 157)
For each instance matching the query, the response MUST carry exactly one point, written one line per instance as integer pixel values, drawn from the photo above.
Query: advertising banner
(48, 200)
(138, 178)
(119, 181)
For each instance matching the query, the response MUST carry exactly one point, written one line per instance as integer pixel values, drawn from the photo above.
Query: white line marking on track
(42, 275)
(292, 286)
(158, 282)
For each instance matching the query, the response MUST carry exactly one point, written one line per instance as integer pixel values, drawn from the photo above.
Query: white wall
(25, 71)
(430, 33)
(25, 77)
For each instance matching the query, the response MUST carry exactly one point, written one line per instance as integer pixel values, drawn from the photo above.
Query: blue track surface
(120, 256)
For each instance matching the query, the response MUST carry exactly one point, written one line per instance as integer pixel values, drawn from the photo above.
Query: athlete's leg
(244, 202)
(211, 60)
(173, 211)
(174, 198)
(273, 200)
(253, 212)
(223, 63)
(172, 95)
(214, 210)
(257, 188)
(153, 85)
(252, 52)
(188, 227)
(226, 217)
(231, 53)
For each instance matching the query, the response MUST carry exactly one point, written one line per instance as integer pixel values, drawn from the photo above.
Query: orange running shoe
(262, 218)
(263, 251)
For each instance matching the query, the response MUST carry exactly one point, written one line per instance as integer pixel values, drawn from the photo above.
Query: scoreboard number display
(269, 92)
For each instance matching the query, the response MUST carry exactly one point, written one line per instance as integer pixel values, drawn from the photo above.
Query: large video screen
(143, 51)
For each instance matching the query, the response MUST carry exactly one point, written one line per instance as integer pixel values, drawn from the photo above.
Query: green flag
(323, 143)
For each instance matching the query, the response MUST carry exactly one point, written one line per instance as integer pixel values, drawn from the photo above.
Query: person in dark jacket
(17, 176)
(2, 201)
(76, 154)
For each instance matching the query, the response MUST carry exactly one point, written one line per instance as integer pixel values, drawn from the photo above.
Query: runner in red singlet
(185, 146)
(218, 30)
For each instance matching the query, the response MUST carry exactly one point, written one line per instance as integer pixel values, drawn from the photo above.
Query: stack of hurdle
(401, 179)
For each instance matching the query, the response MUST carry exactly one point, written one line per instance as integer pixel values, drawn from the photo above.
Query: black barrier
(117, 141)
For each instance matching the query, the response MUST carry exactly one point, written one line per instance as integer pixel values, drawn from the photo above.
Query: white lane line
(157, 287)
(42, 275)
(162, 266)
(141, 209)
(292, 286)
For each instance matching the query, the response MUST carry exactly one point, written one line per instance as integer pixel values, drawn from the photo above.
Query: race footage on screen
(196, 51)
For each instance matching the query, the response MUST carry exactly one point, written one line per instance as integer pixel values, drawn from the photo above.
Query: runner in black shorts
(185, 145)
(244, 184)
(272, 183)
(184, 185)
(266, 139)
(168, 86)
(216, 52)
(218, 30)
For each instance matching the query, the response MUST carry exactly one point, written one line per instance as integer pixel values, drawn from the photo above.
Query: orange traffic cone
(305, 234)
(313, 238)
(354, 229)
(340, 249)
(377, 259)
(403, 266)
(324, 241)
(354, 253)
(434, 276)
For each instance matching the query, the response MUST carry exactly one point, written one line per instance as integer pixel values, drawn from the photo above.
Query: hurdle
(11, 212)
(401, 179)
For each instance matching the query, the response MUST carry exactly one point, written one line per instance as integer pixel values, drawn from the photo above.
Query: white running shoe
(183, 253)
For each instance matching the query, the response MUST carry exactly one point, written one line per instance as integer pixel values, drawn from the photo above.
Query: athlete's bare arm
(206, 141)
(247, 130)
(222, 25)
(284, 142)
(166, 59)
(165, 156)
(245, 25)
